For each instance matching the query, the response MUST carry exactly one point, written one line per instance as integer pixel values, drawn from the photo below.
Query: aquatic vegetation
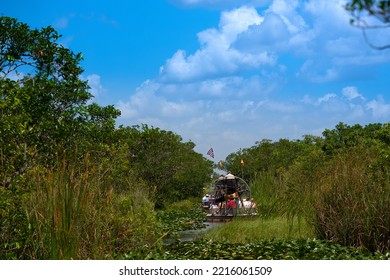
(178, 220)
(272, 249)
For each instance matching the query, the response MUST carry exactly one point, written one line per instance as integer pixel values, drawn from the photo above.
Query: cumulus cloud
(316, 32)
(217, 57)
(271, 34)
(148, 101)
(350, 106)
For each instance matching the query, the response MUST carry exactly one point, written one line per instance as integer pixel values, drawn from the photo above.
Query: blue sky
(224, 74)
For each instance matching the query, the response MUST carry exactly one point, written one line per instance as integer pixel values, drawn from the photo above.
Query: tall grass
(345, 197)
(354, 206)
(74, 213)
(267, 191)
(66, 209)
(280, 200)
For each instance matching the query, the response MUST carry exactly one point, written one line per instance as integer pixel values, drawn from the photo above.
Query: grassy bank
(256, 229)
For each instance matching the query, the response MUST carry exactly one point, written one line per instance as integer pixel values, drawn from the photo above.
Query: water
(190, 235)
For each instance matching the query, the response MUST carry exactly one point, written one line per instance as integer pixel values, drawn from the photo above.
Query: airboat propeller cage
(230, 188)
(228, 200)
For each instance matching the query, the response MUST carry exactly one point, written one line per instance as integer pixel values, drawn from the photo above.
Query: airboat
(229, 197)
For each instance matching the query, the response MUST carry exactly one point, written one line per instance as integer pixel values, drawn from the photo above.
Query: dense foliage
(170, 167)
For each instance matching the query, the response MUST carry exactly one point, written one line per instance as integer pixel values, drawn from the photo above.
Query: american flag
(211, 153)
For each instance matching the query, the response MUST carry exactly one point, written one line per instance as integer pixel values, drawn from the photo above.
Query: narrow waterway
(190, 235)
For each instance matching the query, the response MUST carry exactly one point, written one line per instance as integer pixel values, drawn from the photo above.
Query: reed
(77, 212)
(354, 205)
(345, 197)
(267, 192)
(66, 210)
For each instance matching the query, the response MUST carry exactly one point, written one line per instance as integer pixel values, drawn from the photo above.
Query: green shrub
(15, 231)
(134, 221)
(183, 205)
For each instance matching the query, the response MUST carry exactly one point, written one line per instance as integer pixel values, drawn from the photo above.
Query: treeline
(72, 184)
(339, 182)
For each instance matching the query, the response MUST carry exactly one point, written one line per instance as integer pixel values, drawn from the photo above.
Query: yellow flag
(220, 164)
(242, 162)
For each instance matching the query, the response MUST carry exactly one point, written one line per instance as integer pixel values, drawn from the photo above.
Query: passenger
(205, 199)
(231, 207)
(231, 204)
(214, 209)
(253, 204)
(249, 204)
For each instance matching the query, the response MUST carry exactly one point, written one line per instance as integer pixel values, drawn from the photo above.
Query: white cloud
(217, 57)
(148, 100)
(287, 10)
(237, 21)
(380, 109)
(272, 34)
(352, 93)
(328, 15)
(326, 98)
(316, 32)
(94, 82)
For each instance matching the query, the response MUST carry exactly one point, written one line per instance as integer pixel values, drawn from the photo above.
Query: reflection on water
(190, 235)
